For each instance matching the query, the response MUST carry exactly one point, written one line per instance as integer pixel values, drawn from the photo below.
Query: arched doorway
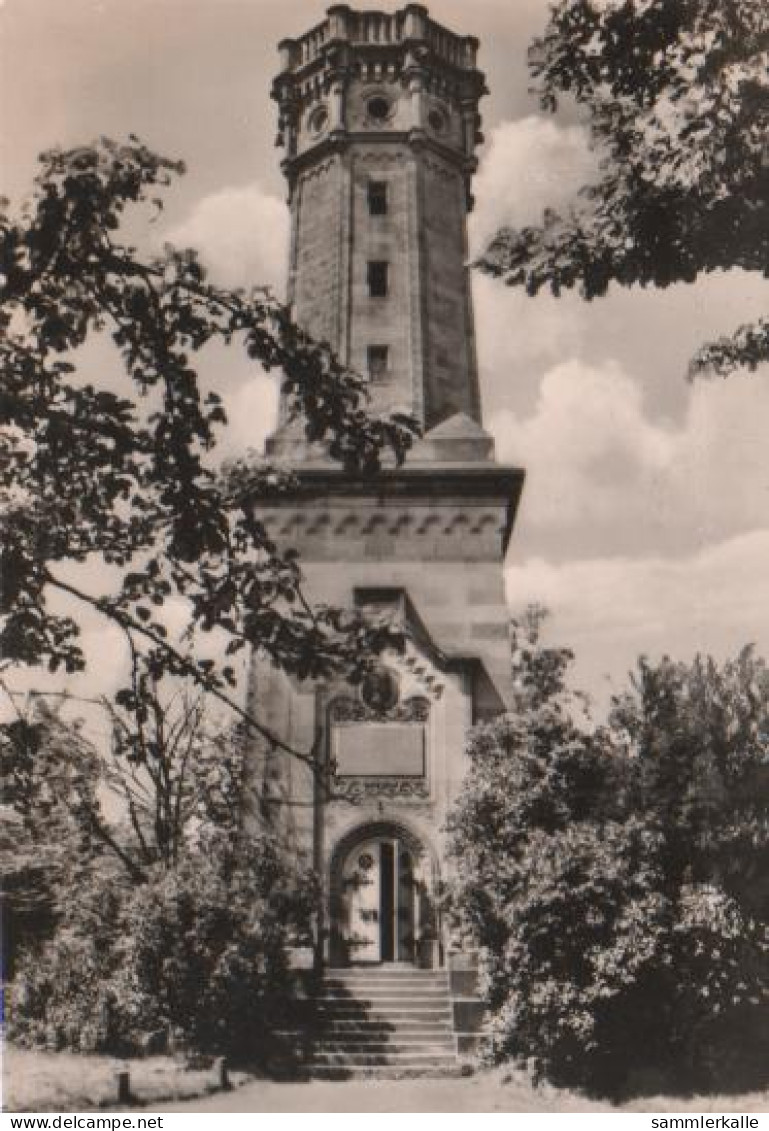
(382, 899)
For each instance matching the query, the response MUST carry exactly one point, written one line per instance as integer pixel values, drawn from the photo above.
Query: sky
(644, 524)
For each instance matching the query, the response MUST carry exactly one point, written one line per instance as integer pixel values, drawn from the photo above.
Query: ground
(485, 1092)
(63, 1081)
(39, 1081)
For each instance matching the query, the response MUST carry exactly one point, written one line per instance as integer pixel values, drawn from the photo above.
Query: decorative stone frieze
(361, 791)
(346, 709)
(423, 533)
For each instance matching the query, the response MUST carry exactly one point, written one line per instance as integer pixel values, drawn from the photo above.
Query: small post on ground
(222, 1073)
(123, 1081)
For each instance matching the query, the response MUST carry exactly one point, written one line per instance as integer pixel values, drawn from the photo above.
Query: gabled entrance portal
(381, 899)
(378, 891)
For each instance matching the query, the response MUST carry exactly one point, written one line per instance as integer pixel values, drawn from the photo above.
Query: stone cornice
(341, 140)
(495, 484)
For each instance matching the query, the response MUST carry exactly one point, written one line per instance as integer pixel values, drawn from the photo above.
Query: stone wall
(390, 320)
(451, 383)
(317, 285)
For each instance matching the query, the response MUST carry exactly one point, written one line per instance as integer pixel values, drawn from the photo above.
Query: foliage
(697, 741)
(168, 774)
(61, 985)
(612, 878)
(176, 772)
(197, 952)
(48, 774)
(584, 926)
(167, 914)
(126, 478)
(677, 100)
(51, 819)
(539, 671)
(537, 772)
(157, 908)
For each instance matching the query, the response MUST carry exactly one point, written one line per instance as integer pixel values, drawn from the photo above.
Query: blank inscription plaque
(363, 750)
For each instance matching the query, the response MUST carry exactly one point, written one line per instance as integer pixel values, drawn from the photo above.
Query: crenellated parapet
(390, 77)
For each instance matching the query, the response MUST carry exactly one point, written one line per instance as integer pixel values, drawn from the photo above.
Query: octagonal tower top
(421, 84)
(378, 116)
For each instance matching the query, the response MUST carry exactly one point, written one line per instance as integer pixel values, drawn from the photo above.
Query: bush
(62, 993)
(199, 951)
(602, 977)
(596, 868)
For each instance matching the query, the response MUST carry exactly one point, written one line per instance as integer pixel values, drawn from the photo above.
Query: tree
(176, 772)
(170, 912)
(197, 952)
(696, 739)
(112, 497)
(539, 671)
(127, 479)
(139, 803)
(48, 785)
(677, 99)
(612, 877)
(533, 766)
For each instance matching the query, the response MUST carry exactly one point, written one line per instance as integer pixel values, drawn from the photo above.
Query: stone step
(444, 1047)
(372, 1030)
(406, 1041)
(387, 1029)
(344, 1006)
(381, 993)
(381, 999)
(393, 987)
(378, 1010)
(394, 1059)
(438, 981)
(382, 1021)
(389, 980)
(381, 985)
(407, 973)
(418, 1018)
(385, 1071)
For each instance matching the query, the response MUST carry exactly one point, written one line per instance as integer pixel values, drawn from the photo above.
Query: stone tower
(379, 122)
(379, 116)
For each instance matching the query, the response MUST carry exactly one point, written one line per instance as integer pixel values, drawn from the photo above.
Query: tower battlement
(430, 84)
(411, 25)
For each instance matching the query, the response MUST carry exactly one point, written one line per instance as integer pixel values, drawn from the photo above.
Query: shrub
(596, 868)
(62, 992)
(198, 951)
(602, 976)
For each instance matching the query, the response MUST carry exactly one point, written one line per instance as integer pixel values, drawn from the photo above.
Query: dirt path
(363, 1096)
(483, 1093)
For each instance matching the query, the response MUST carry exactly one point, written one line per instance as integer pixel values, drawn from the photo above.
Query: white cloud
(610, 610)
(517, 334)
(603, 473)
(242, 237)
(252, 411)
(530, 164)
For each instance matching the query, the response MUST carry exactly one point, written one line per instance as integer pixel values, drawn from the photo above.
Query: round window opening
(366, 862)
(437, 121)
(379, 690)
(318, 121)
(378, 108)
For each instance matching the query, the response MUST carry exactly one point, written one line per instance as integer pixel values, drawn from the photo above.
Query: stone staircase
(384, 1021)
